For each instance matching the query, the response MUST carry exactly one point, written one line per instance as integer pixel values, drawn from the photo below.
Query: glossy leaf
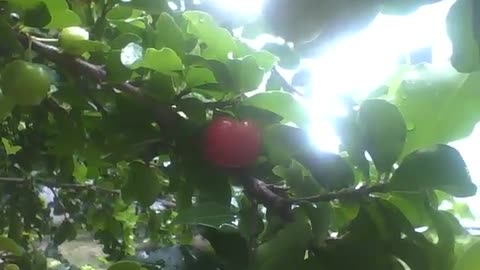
(209, 214)
(287, 247)
(282, 142)
(246, 73)
(164, 61)
(37, 15)
(460, 28)
(9, 246)
(438, 167)
(384, 132)
(61, 15)
(10, 149)
(144, 184)
(470, 259)
(330, 170)
(169, 34)
(231, 247)
(218, 40)
(439, 105)
(412, 206)
(281, 103)
(321, 216)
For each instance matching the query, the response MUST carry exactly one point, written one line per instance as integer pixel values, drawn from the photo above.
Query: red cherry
(231, 143)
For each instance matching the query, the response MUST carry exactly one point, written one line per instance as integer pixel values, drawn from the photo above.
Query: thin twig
(164, 113)
(285, 84)
(12, 179)
(51, 184)
(343, 194)
(167, 117)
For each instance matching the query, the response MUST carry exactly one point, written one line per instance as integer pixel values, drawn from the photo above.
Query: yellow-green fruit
(24, 82)
(11, 266)
(70, 40)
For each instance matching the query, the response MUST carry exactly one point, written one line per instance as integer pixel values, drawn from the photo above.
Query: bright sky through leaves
(360, 63)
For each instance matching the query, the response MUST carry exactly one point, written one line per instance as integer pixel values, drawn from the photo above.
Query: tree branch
(167, 117)
(164, 113)
(261, 193)
(51, 184)
(347, 194)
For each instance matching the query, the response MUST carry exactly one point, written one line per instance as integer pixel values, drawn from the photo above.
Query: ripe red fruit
(231, 143)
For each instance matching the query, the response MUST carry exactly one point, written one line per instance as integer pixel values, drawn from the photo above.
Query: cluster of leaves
(117, 141)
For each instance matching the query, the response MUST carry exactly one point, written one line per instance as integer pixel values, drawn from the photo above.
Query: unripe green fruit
(11, 266)
(24, 82)
(70, 37)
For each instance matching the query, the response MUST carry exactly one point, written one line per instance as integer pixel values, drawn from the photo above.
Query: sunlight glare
(244, 7)
(363, 62)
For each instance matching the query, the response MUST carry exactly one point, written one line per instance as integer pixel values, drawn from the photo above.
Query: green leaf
(246, 74)
(164, 61)
(80, 171)
(461, 31)
(196, 76)
(320, 215)
(300, 181)
(116, 71)
(289, 59)
(168, 34)
(160, 87)
(348, 130)
(265, 60)
(439, 105)
(61, 15)
(219, 42)
(37, 15)
(438, 167)
(250, 222)
(213, 186)
(6, 106)
(123, 40)
(66, 232)
(92, 46)
(151, 6)
(119, 13)
(39, 261)
(330, 170)
(209, 214)
(8, 37)
(384, 132)
(470, 260)
(8, 245)
(412, 206)
(445, 225)
(281, 103)
(282, 142)
(232, 247)
(144, 184)
(125, 265)
(404, 7)
(287, 247)
(9, 148)
(194, 108)
(416, 255)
